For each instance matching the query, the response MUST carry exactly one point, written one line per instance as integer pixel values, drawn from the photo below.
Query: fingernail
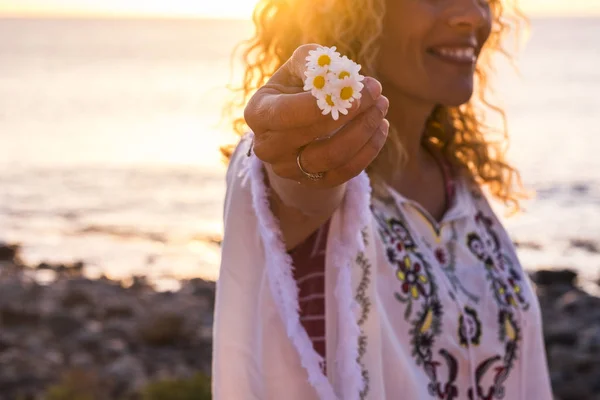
(374, 88)
(383, 104)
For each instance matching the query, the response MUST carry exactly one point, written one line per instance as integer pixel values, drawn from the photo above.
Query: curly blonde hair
(460, 133)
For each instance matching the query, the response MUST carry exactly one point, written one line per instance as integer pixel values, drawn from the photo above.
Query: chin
(454, 98)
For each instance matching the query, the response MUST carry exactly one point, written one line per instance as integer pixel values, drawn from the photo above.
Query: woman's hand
(286, 120)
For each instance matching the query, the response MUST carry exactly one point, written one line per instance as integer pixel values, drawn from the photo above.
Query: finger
(275, 145)
(286, 81)
(362, 159)
(351, 168)
(331, 153)
(291, 72)
(269, 109)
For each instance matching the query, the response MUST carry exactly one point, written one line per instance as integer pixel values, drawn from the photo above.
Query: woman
(360, 258)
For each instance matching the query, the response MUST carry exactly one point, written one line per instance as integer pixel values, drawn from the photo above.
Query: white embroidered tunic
(415, 309)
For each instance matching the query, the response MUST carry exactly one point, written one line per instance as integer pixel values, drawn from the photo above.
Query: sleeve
(235, 368)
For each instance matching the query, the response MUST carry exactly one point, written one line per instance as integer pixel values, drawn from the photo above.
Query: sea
(110, 130)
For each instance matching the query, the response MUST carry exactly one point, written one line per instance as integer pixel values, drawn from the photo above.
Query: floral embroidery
(469, 327)
(412, 276)
(511, 335)
(477, 247)
(418, 289)
(418, 285)
(440, 256)
(505, 283)
(506, 279)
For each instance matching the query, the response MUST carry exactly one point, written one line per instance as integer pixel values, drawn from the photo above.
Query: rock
(54, 357)
(161, 328)
(578, 302)
(117, 309)
(552, 277)
(590, 340)
(141, 284)
(63, 324)
(12, 318)
(568, 359)
(573, 390)
(81, 360)
(88, 340)
(127, 373)
(200, 288)
(75, 269)
(7, 341)
(528, 245)
(77, 297)
(562, 335)
(44, 266)
(9, 252)
(114, 348)
(550, 293)
(120, 329)
(34, 344)
(586, 245)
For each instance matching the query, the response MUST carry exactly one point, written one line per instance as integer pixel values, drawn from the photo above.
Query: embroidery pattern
(418, 286)
(365, 305)
(506, 280)
(469, 327)
(505, 283)
(448, 264)
(511, 334)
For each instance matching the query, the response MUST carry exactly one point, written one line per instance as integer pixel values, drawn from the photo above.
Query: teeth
(460, 53)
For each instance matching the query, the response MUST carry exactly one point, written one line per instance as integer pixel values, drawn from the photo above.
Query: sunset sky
(226, 8)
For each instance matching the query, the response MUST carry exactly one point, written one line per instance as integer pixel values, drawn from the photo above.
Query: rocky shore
(571, 320)
(99, 335)
(105, 339)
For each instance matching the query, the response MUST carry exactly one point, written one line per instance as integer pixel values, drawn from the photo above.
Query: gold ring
(313, 177)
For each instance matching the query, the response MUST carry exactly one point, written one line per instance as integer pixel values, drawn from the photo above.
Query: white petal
(335, 114)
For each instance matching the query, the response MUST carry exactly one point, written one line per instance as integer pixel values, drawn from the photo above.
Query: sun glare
(168, 8)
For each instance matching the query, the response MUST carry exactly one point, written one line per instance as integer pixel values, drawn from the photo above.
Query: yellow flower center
(329, 100)
(319, 82)
(344, 74)
(346, 93)
(324, 60)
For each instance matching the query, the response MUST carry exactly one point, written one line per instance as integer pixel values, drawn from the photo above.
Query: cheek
(407, 25)
(401, 51)
(484, 32)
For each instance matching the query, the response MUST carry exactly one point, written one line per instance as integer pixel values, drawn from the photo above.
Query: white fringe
(282, 283)
(355, 218)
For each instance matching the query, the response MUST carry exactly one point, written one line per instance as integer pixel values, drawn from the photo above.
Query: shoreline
(120, 339)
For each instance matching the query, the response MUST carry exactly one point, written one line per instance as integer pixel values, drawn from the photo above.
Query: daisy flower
(347, 89)
(335, 81)
(322, 57)
(330, 104)
(316, 80)
(345, 67)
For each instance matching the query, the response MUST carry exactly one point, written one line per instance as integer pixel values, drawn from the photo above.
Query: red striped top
(309, 272)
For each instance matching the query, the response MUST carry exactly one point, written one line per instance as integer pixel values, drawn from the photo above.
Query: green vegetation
(80, 385)
(195, 388)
